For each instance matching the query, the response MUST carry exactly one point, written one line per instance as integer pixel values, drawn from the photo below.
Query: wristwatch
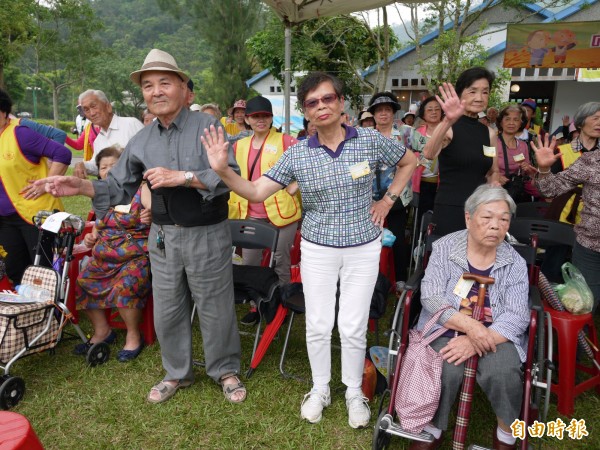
(189, 177)
(393, 197)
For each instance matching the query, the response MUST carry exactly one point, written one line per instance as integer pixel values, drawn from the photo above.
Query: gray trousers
(498, 374)
(195, 263)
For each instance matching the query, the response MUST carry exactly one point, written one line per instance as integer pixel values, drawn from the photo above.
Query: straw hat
(158, 60)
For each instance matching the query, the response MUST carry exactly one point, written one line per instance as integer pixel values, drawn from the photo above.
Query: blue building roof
(548, 16)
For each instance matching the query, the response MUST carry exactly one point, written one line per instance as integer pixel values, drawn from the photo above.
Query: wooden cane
(466, 393)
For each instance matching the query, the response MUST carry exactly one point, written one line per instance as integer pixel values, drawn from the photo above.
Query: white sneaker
(358, 411)
(313, 404)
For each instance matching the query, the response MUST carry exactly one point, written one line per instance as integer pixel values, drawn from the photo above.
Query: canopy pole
(287, 76)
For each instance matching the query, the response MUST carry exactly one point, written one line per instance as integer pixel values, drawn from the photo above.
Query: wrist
(543, 170)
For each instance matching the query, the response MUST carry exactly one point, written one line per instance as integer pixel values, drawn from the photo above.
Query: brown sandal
(229, 390)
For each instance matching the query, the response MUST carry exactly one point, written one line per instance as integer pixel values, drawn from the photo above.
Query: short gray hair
(99, 94)
(487, 193)
(212, 106)
(583, 112)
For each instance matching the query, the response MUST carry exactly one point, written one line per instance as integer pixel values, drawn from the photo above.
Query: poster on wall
(588, 75)
(557, 44)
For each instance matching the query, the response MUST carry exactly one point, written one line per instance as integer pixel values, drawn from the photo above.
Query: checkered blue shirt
(336, 206)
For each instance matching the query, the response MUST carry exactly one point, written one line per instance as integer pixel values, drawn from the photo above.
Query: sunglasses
(314, 102)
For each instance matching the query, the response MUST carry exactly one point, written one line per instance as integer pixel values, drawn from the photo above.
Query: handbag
(420, 384)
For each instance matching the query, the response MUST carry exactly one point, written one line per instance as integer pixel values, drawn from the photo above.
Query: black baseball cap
(258, 105)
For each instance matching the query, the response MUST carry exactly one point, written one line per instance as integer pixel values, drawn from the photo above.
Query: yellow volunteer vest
(16, 170)
(569, 156)
(88, 151)
(282, 208)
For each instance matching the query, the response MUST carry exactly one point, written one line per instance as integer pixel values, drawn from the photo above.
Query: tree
(224, 25)
(63, 45)
(16, 31)
(342, 45)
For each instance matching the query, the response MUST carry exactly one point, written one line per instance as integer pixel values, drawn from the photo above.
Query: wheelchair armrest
(414, 281)
(535, 300)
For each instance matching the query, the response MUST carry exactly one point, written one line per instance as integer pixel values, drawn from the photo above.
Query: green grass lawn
(73, 406)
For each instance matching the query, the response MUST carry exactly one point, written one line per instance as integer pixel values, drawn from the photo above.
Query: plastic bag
(388, 238)
(575, 294)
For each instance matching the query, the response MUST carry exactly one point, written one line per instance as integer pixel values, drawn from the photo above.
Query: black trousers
(19, 240)
(396, 223)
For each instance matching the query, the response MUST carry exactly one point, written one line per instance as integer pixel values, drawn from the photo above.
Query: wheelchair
(536, 371)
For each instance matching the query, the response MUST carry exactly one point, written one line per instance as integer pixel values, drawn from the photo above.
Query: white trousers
(357, 269)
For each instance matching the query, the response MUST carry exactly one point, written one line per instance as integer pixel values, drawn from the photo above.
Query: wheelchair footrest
(392, 428)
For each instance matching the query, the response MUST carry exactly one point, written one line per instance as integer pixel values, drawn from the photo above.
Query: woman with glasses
(341, 230)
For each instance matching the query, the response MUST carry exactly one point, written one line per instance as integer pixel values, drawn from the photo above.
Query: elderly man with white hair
(114, 130)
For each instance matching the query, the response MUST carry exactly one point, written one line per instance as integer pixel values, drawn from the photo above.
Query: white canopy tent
(297, 11)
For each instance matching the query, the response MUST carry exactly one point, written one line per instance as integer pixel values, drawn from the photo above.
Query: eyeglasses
(314, 102)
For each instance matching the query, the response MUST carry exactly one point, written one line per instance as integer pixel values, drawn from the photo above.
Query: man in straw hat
(190, 241)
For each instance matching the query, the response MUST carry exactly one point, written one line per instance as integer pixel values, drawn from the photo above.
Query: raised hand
(544, 152)
(450, 102)
(60, 186)
(216, 148)
(566, 120)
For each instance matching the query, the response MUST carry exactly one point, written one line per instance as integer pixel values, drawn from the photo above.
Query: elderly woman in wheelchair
(500, 340)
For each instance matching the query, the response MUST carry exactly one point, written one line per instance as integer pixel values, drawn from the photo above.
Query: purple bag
(420, 383)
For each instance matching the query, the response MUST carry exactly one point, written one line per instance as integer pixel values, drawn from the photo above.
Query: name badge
(463, 287)
(360, 170)
(269, 148)
(518, 158)
(123, 208)
(489, 151)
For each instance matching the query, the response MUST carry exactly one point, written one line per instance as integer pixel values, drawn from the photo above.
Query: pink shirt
(513, 165)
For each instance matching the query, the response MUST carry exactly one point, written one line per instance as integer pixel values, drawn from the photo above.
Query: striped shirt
(337, 206)
(508, 295)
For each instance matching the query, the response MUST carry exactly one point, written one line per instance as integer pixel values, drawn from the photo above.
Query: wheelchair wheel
(381, 439)
(12, 391)
(98, 354)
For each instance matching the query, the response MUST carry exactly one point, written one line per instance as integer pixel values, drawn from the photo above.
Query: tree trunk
(382, 81)
(55, 91)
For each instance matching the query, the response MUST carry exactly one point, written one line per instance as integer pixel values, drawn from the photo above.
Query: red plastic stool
(16, 433)
(146, 327)
(567, 327)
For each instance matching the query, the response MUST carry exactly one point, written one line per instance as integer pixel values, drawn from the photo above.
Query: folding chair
(548, 232)
(532, 209)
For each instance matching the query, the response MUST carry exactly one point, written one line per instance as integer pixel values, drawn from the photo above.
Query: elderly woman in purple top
(24, 156)
(341, 234)
(500, 340)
